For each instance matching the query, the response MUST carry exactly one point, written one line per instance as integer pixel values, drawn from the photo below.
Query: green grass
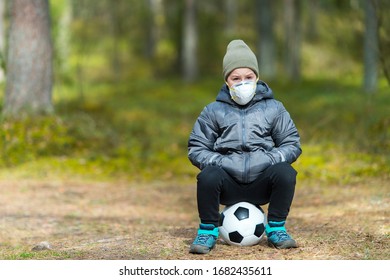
(139, 131)
(20, 254)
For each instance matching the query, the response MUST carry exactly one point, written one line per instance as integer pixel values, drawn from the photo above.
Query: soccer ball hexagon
(242, 224)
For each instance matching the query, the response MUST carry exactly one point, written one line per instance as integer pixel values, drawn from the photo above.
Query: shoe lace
(203, 238)
(282, 235)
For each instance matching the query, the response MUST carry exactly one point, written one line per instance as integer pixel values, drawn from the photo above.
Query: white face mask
(243, 92)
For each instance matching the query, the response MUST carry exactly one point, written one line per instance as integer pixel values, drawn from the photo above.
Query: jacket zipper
(246, 159)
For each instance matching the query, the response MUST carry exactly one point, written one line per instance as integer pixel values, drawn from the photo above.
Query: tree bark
(230, 7)
(190, 42)
(292, 14)
(29, 69)
(2, 39)
(267, 46)
(371, 56)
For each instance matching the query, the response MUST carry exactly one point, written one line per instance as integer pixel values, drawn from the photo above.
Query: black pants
(276, 186)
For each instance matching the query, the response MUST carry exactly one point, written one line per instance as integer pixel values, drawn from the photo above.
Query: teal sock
(274, 226)
(208, 229)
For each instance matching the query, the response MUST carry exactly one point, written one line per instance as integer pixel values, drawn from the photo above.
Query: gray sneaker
(278, 236)
(205, 239)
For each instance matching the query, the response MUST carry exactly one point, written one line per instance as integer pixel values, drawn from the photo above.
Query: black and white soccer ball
(242, 224)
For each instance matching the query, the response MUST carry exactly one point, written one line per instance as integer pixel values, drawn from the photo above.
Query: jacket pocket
(233, 164)
(259, 161)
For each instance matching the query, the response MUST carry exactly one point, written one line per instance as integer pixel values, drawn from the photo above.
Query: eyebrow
(244, 75)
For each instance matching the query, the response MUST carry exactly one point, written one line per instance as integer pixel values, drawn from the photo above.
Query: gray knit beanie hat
(239, 55)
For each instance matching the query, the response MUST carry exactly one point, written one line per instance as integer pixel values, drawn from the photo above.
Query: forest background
(106, 157)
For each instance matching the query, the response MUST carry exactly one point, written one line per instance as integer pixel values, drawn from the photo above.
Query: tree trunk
(64, 36)
(29, 69)
(382, 7)
(267, 51)
(2, 39)
(156, 22)
(292, 29)
(190, 42)
(312, 24)
(370, 48)
(230, 7)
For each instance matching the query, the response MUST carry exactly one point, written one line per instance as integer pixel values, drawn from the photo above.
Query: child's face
(240, 74)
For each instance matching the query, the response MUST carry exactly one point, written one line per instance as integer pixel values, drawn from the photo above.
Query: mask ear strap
(227, 85)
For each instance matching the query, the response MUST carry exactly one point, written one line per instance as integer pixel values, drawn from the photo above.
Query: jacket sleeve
(286, 138)
(201, 141)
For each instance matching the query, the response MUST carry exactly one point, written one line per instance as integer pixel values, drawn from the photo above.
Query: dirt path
(159, 221)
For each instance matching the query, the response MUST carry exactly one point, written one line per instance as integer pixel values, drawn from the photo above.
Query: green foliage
(27, 139)
(345, 133)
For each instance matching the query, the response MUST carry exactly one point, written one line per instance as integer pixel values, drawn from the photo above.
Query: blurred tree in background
(267, 44)
(2, 39)
(382, 9)
(29, 71)
(370, 47)
(190, 42)
(293, 37)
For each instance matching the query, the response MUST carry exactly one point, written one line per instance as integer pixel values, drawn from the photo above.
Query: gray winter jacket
(244, 140)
